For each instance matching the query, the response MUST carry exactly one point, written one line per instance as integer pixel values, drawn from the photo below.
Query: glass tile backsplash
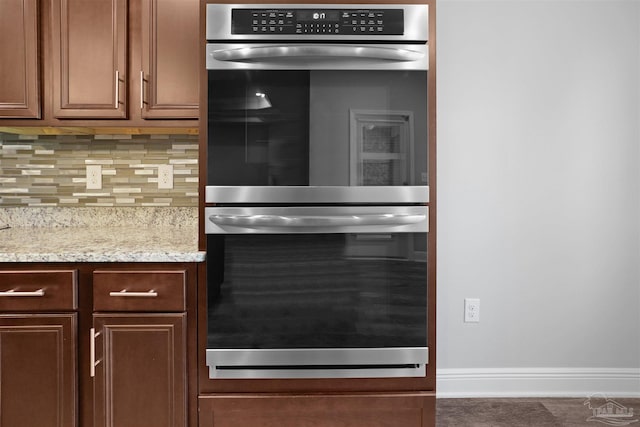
(50, 170)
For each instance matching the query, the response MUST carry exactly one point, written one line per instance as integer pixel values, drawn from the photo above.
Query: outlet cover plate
(165, 177)
(94, 177)
(472, 310)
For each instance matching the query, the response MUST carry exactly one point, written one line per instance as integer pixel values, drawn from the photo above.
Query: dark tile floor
(542, 412)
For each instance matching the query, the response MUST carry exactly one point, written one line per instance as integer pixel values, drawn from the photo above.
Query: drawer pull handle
(125, 293)
(14, 293)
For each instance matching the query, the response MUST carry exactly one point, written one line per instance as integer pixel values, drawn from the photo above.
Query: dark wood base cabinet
(140, 379)
(38, 370)
(98, 345)
(324, 410)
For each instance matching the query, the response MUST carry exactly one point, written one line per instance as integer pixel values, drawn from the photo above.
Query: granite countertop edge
(197, 256)
(177, 257)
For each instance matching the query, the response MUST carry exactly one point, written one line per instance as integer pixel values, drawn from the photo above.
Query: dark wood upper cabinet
(38, 370)
(89, 58)
(169, 59)
(20, 81)
(134, 63)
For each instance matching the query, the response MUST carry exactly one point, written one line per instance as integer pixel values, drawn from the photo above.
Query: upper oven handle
(315, 220)
(258, 53)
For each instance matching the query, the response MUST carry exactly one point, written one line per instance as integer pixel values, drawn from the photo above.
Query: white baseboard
(537, 382)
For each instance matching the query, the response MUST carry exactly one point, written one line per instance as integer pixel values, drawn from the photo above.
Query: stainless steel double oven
(317, 196)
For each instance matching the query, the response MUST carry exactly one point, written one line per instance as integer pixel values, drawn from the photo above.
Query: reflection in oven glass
(316, 127)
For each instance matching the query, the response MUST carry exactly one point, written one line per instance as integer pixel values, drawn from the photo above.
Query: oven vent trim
(317, 363)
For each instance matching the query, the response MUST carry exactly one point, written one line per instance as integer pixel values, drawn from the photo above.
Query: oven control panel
(338, 22)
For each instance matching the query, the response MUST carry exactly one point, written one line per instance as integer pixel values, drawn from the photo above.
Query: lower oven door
(317, 292)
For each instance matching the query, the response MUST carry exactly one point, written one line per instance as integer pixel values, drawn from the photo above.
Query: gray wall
(538, 184)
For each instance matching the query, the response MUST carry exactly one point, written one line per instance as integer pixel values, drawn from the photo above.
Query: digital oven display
(318, 16)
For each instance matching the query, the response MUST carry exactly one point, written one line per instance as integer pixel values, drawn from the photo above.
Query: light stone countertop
(137, 241)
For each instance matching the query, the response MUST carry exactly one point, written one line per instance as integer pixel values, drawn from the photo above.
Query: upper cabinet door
(19, 84)
(170, 59)
(89, 58)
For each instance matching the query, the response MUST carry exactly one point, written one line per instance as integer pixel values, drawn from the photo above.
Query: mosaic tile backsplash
(48, 170)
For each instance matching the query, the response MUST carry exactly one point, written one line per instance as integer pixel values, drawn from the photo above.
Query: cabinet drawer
(139, 290)
(38, 290)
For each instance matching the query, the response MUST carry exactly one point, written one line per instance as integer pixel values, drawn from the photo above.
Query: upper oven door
(317, 115)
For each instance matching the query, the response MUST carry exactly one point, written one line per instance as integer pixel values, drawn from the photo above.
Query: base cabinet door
(140, 370)
(38, 370)
(344, 410)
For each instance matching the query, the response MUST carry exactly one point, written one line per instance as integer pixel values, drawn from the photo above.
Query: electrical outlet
(472, 310)
(424, 177)
(94, 177)
(165, 177)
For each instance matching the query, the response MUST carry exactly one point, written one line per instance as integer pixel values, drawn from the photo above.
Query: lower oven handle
(315, 221)
(316, 51)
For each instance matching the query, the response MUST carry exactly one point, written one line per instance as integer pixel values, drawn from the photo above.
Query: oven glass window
(320, 127)
(317, 291)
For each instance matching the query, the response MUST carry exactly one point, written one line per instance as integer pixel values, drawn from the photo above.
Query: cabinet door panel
(38, 370)
(141, 370)
(19, 85)
(344, 410)
(89, 58)
(170, 58)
